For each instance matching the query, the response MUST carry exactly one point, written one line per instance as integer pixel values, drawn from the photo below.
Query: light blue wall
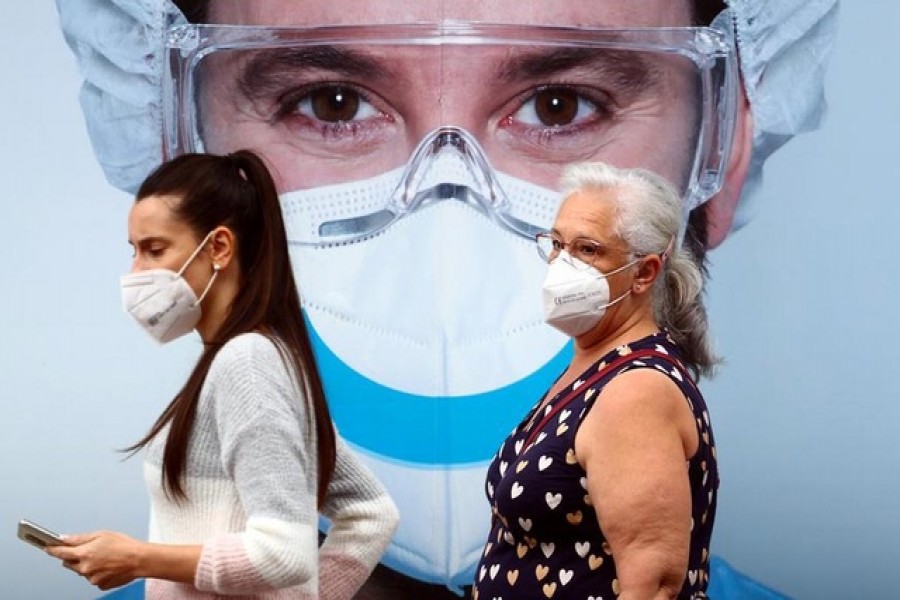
(804, 305)
(805, 410)
(77, 379)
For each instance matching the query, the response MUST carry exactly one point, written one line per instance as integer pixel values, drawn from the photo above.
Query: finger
(76, 539)
(62, 552)
(71, 565)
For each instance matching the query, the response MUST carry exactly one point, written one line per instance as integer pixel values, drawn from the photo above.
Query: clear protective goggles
(333, 105)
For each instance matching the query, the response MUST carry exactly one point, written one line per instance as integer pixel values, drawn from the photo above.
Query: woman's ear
(720, 208)
(648, 270)
(222, 247)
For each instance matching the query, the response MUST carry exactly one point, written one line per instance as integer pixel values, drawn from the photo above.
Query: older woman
(607, 488)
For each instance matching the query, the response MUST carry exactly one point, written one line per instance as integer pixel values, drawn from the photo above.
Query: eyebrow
(602, 244)
(266, 70)
(628, 70)
(148, 240)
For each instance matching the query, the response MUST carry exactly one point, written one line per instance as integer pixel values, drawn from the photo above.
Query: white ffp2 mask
(576, 295)
(162, 301)
(431, 344)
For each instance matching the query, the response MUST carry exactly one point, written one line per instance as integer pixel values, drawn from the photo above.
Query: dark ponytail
(237, 191)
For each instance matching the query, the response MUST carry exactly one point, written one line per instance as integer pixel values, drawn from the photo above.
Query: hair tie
(236, 161)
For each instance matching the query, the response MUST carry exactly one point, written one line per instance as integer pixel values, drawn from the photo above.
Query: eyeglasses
(329, 105)
(585, 250)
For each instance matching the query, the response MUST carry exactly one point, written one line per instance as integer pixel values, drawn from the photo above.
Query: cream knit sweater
(251, 481)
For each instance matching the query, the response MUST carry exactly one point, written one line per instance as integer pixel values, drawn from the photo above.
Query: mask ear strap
(194, 254)
(668, 251)
(216, 269)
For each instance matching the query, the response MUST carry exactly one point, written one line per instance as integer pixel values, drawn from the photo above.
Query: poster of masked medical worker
(417, 149)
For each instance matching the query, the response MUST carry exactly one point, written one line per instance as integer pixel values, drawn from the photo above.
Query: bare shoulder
(641, 391)
(638, 406)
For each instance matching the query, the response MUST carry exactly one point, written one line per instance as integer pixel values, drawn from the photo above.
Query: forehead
(154, 216)
(586, 13)
(588, 213)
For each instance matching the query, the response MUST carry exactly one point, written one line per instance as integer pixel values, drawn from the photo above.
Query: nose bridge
(468, 86)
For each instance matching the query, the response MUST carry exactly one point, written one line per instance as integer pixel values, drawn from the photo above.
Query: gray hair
(649, 217)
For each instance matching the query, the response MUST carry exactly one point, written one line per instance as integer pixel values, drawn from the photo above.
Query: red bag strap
(622, 360)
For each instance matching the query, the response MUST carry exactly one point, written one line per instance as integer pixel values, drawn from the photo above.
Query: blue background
(802, 303)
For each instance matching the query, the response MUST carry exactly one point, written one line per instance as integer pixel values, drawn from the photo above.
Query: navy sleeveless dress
(545, 540)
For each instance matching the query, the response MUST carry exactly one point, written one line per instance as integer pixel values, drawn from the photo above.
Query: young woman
(242, 461)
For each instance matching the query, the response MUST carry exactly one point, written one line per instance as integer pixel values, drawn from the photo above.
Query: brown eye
(335, 104)
(556, 106)
(583, 249)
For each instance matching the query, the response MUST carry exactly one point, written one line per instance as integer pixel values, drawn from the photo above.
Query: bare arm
(109, 559)
(175, 563)
(633, 445)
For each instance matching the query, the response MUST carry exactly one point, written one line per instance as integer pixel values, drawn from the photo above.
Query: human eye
(331, 109)
(585, 250)
(151, 249)
(334, 104)
(560, 109)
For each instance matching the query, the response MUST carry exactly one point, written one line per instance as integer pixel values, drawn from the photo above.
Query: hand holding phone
(38, 536)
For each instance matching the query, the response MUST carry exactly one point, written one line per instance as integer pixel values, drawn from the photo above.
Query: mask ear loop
(216, 268)
(668, 251)
(194, 254)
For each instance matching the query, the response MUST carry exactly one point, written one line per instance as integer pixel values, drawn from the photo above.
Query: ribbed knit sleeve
(268, 449)
(363, 519)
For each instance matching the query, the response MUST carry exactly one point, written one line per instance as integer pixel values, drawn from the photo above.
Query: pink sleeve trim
(340, 576)
(225, 566)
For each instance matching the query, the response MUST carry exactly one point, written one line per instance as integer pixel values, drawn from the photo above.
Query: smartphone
(38, 536)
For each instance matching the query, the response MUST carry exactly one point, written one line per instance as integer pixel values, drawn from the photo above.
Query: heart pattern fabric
(546, 541)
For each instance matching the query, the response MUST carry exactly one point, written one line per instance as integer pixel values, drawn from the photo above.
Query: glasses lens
(329, 113)
(547, 247)
(584, 250)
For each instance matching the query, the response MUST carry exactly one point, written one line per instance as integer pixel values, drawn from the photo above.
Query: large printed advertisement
(417, 149)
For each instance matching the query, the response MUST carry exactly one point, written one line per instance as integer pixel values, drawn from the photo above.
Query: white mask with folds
(430, 339)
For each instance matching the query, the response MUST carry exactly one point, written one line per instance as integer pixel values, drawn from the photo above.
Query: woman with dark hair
(245, 457)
